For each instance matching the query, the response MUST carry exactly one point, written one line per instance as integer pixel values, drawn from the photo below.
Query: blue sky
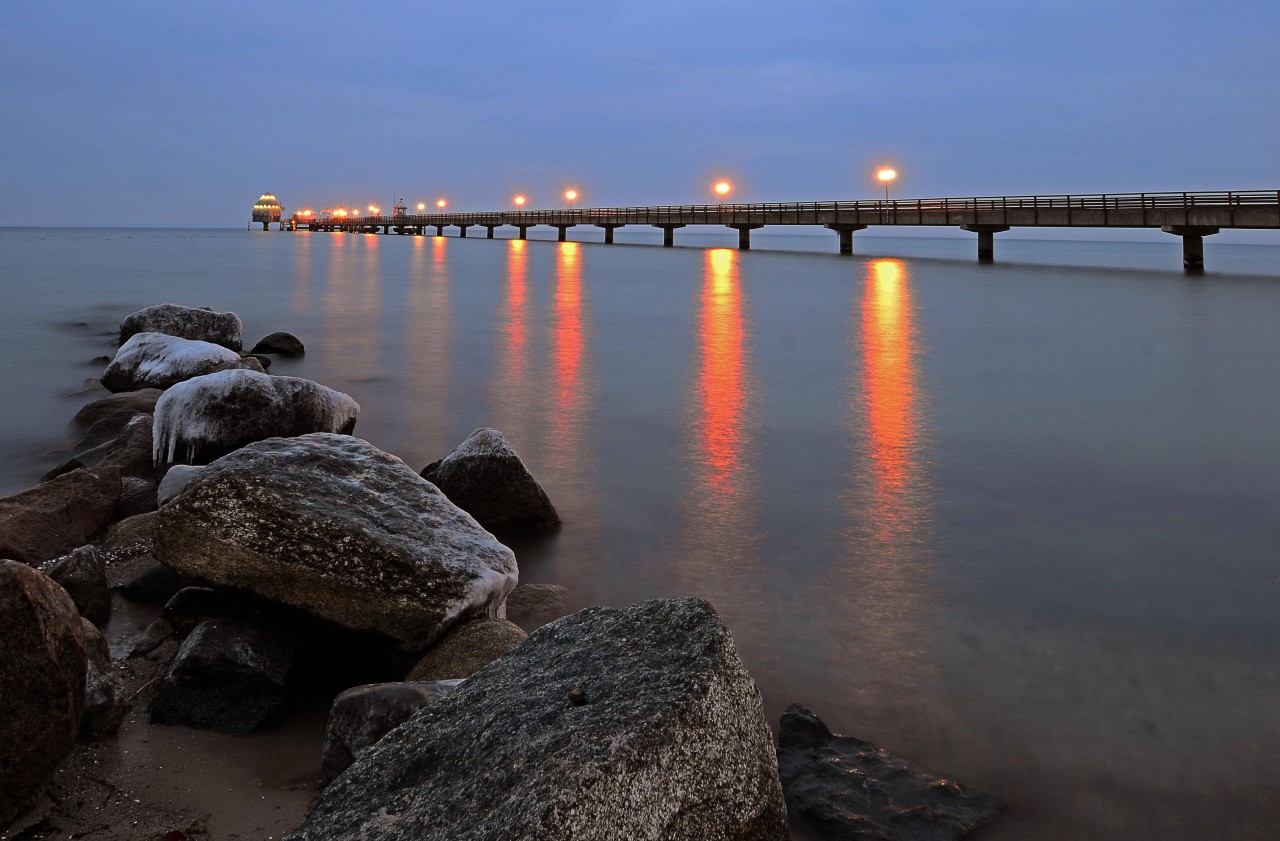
(147, 113)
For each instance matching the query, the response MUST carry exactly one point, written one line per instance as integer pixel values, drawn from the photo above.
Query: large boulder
(484, 477)
(230, 675)
(105, 701)
(284, 344)
(362, 715)
(84, 576)
(154, 360)
(104, 419)
(467, 648)
(334, 526)
(209, 416)
(639, 723)
(43, 664)
(129, 452)
(59, 515)
(219, 328)
(847, 788)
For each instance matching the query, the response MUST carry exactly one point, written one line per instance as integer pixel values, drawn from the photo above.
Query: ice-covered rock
(219, 328)
(484, 477)
(209, 416)
(43, 664)
(362, 715)
(334, 526)
(155, 360)
(640, 723)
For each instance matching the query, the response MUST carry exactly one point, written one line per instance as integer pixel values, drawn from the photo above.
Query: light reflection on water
(427, 340)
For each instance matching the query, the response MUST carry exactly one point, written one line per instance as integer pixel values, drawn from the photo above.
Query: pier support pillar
(608, 232)
(845, 233)
(1192, 245)
(668, 234)
(488, 231)
(986, 240)
(524, 231)
(439, 230)
(744, 235)
(562, 233)
(462, 231)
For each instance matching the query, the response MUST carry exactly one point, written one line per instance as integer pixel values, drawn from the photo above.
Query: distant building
(267, 209)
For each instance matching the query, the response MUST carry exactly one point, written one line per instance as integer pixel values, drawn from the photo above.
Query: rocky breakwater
(334, 526)
(636, 723)
(156, 360)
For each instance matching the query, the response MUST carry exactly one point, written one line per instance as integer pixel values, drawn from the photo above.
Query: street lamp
(722, 189)
(570, 196)
(886, 175)
(374, 210)
(441, 204)
(422, 206)
(519, 200)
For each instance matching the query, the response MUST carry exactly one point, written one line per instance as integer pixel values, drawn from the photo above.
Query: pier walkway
(1191, 216)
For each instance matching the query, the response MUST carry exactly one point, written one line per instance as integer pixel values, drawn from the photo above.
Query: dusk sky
(141, 113)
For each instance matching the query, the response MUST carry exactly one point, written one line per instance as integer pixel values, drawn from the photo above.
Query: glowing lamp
(886, 175)
(571, 196)
(422, 206)
(519, 200)
(441, 204)
(722, 189)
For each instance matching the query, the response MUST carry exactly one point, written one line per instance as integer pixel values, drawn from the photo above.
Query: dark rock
(530, 605)
(253, 363)
(210, 416)
(43, 663)
(467, 648)
(103, 359)
(149, 639)
(671, 744)
(105, 701)
(138, 530)
(264, 361)
(334, 526)
(84, 577)
(104, 419)
(191, 606)
(220, 328)
(362, 715)
(850, 789)
(284, 344)
(156, 585)
(59, 515)
(484, 477)
(137, 496)
(229, 676)
(154, 360)
(129, 452)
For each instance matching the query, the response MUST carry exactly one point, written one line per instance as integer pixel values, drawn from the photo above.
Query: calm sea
(1019, 523)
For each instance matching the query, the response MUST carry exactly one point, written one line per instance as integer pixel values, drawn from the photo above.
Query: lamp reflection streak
(510, 392)
(428, 335)
(568, 343)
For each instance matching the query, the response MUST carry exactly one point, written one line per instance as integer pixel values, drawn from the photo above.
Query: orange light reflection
(721, 380)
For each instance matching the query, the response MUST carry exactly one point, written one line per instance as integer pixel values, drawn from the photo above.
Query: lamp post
(519, 201)
(722, 189)
(886, 175)
(570, 196)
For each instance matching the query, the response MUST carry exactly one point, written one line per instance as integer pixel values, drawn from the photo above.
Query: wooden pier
(1191, 216)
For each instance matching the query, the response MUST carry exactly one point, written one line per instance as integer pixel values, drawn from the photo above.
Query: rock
(84, 577)
(847, 788)
(220, 328)
(253, 363)
(210, 416)
(156, 585)
(531, 605)
(334, 526)
(133, 531)
(106, 418)
(191, 606)
(484, 477)
(149, 639)
(43, 663)
(137, 496)
(284, 344)
(154, 360)
(667, 741)
(59, 515)
(129, 452)
(264, 361)
(105, 701)
(229, 676)
(362, 715)
(466, 649)
(175, 480)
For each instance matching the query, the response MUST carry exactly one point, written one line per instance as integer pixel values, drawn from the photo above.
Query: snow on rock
(334, 526)
(154, 360)
(220, 328)
(209, 416)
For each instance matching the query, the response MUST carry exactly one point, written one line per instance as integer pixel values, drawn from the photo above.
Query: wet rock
(59, 515)
(220, 328)
(137, 496)
(84, 577)
(104, 419)
(531, 605)
(362, 715)
(284, 344)
(149, 639)
(156, 585)
(334, 526)
(466, 649)
(229, 676)
(105, 701)
(484, 477)
(847, 788)
(210, 416)
(154, 360)
(670, 743)
(175, 480)
(43, 664)
(138, 530)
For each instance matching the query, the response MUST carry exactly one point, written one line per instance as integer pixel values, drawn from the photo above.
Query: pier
(1192, 216)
